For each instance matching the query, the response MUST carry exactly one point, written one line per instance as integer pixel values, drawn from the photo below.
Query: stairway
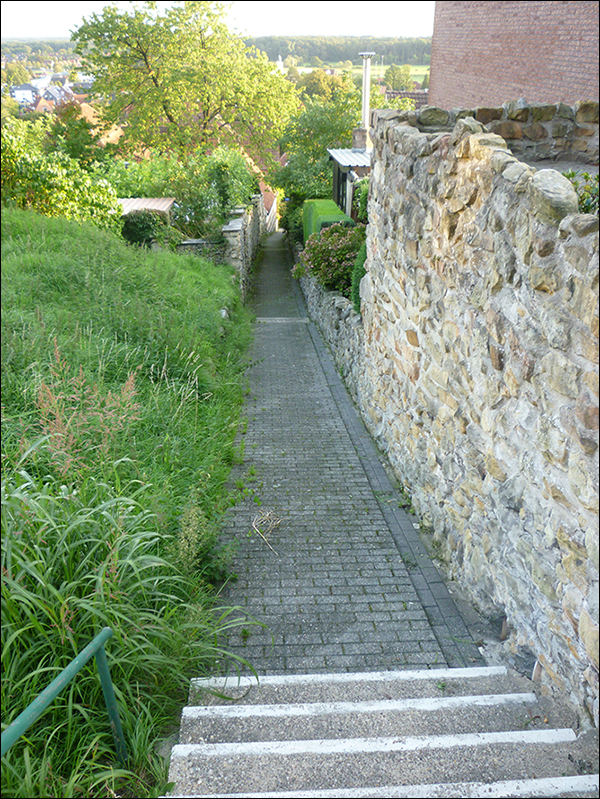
(476, 732)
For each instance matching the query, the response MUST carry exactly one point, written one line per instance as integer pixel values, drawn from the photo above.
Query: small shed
(348, 167)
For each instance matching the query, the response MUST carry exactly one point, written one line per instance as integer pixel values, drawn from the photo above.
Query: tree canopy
(399, 79)
(178, 79)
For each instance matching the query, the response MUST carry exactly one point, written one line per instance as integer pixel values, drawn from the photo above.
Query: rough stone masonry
(475, 366)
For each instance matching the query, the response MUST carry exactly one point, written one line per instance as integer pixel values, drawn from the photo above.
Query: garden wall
(475, 366)
(242, 235)
(533, 131)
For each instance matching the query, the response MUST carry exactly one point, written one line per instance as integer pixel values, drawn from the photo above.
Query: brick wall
(493, 52)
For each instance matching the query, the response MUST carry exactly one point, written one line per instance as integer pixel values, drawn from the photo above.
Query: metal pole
(366, 88)
(33, 711)
(111, 705)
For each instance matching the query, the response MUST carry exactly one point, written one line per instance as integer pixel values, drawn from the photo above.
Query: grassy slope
(121, 388)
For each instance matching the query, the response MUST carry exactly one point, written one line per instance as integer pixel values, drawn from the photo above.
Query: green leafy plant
(587, 188)
(141, 227)
(53, 184)
(361, 199)
(329, 256)
(358, 272)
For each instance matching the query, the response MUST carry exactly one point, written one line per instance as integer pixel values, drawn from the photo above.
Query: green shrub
(292, 220)
(329, 256)
(141, 227)
(587, 187)
(318, 214)
(357, 275)
(54, 184)
(361, 199)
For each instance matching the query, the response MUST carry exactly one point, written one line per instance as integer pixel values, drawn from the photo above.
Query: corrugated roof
(351, 158)
(163, 204)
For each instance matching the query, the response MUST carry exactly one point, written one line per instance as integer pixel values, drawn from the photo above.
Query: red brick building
(487, 53)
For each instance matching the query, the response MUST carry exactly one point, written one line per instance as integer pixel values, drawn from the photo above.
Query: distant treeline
(30, 48)
(329, 49)
(332, 49)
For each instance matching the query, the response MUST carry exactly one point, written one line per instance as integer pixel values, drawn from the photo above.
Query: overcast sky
(53, 20)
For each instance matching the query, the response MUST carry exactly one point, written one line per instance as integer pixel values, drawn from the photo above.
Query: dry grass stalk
(268, 521)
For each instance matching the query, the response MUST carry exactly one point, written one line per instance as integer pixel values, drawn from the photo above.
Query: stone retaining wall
(476, 368)
(242, 236)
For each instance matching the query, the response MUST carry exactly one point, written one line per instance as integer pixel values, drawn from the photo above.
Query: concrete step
(360, 686)
(313, 720)
(444, 732)
(360, 763)
(577, 787)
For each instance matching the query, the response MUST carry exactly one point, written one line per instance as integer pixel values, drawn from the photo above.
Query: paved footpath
(324, 555)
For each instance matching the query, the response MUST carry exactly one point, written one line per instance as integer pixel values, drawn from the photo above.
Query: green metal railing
(33, 711)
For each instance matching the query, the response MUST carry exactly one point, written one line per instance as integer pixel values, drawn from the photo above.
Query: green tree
(399, 79)
(180, 80)
(319, 84)
(10, 108)
(425, 82)
(293, 75)
(16, 74)
(308, 172)
(73, 135)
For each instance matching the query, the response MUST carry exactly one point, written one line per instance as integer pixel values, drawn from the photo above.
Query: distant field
(418, 71)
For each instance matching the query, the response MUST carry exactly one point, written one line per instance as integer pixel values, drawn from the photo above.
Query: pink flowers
(330, 256)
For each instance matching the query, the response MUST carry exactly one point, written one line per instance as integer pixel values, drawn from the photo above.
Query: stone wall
(533, 131)
(491, 51)
(242, 236)
(476, 368)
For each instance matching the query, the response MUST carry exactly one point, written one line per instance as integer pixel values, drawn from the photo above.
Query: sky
(55, 20)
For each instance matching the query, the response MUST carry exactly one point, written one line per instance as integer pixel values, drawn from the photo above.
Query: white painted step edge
(546, 787)
(348, 677)
(366, 745)
(342, 708)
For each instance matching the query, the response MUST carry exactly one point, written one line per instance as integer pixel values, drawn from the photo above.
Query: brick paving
(325, 556)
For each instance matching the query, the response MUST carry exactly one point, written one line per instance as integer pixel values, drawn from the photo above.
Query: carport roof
(351, 158)
(163, 204)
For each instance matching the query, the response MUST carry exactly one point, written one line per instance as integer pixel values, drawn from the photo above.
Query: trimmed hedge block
(318, 214)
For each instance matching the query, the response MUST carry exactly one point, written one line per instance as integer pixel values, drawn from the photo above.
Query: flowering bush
(329, 256)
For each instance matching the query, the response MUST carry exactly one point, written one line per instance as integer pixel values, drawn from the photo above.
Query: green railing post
(34, 710)
(111, 705)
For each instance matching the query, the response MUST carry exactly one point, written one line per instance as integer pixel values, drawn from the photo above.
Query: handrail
(35, 709)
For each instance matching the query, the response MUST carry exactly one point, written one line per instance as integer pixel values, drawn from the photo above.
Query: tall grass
(121, 387)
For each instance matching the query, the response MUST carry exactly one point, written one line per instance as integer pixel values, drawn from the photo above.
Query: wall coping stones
(540, 131)
(552, 196)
